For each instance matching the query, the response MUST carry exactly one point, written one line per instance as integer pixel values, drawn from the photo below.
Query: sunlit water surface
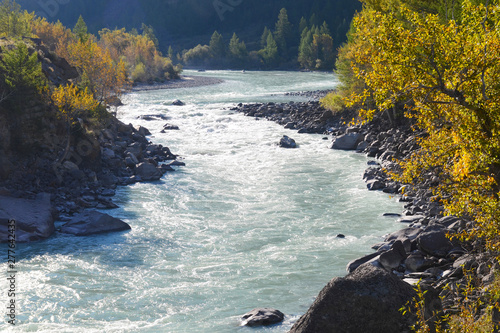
(244, 224)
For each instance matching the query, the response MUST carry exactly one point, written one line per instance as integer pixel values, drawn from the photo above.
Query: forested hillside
(184, 24)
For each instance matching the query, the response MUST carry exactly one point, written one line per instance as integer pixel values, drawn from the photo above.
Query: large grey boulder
(433, 241)
(93, 222)
(287, 142)
(262, 317)
(33, 218)
(348, 141)
(148, 171)
(366, 300)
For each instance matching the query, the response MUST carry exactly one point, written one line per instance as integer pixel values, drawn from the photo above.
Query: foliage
(13, 21)
(54, 35)
(283, 33)
(104, 77)
(80, 30)
(139, 54)
(20, 70)
(216, 45)
(450, 72)
(72, 101)
(316, 48)
(237, 50)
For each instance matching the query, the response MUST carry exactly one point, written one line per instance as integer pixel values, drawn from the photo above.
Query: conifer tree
(80, 30)
(283, 33)
(263, 38)
(216, 46)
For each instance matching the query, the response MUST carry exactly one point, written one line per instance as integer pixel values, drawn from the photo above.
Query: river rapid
(244, 224)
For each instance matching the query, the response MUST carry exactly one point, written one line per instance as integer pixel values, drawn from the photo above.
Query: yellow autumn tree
(449, 72)
(54, 35)
(103, 77)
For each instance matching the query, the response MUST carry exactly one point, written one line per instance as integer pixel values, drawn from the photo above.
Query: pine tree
(302, 24)
(283, 33)
(263, 39)
(237, 49)
(20, 70)
(306, 58)
(80, 30)
(216, 46)
(271, 51)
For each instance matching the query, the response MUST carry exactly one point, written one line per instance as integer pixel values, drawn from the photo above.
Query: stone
(178, 102)
(375, 185)
(170, 127)
(262, 317)
(148, 171)
(416, 262)
(362, 146)
(366, 300)
(33, 218)
(353, 264)
(394, 257)
(411, 219)
(93, 222)
(433, 241)
(287, 142)
(108, 153)
(347, 141)
(70, 166)
(143, 131)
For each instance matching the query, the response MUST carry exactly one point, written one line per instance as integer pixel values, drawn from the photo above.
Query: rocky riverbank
(420, 253)
(84, 179)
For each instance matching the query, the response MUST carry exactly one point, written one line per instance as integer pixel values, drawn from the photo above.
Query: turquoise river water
(244, 224)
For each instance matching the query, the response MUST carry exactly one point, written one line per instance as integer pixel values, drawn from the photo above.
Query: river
(244, 224)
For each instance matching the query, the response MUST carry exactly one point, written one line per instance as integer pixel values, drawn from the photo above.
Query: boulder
(148, 171)
(33, 217)
(287, 142)
(353, 264)
(433, 241)
(366, 300)
(143, 131)
(394, 257)
(348, 141)
(170, 127)
(375, 185)
(178, 102)
(93, 222)
(262, 317)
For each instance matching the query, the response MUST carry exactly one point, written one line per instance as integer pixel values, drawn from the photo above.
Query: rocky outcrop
(33, 218)
(262, 317)
(367, 300)
(93, 222)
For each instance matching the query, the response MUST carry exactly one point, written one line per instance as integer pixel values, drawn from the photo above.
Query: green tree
(80, 30)
(217, 47)
(263, 38)
(270, 52)
(302, 24)
(20, 70)
(237, 49)
(283, 33)
(306, 57)
(14, 22)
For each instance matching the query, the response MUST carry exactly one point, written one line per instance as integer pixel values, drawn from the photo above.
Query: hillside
(184, 24)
